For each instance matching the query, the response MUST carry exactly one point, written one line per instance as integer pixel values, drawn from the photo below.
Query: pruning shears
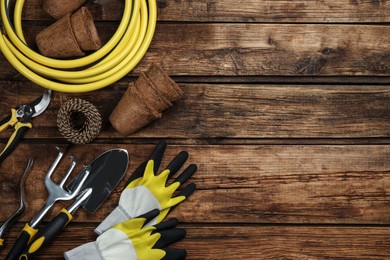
(20, 120)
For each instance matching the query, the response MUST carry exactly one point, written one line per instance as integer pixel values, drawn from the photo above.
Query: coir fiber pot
(150, 94)
(58, 40)
(85, 31)
(165, 84)
(131, 113)
(59, 8)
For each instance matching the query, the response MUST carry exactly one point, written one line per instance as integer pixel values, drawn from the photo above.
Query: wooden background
(286, 113)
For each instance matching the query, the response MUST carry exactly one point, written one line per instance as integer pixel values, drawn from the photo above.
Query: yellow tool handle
(22, 242)
(20, 130)
(10, 120)
(48, 233)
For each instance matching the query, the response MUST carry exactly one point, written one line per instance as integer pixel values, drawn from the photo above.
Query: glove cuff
(87, 251)
(118, 215)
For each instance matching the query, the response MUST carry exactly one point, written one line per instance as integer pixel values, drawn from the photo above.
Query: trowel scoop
(107, 170)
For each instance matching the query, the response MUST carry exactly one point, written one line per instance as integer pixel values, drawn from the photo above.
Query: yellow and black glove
(133, 240)
(146, 191)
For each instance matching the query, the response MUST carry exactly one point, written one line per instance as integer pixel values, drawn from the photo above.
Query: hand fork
(56, 192)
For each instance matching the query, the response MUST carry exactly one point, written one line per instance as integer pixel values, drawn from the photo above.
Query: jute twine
(79, 121)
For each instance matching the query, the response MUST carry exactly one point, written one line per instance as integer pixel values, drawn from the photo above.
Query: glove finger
(171, 223)
(149, 215)
(137, 173)
(175, 165)
(158, 154)
(174, 254)
(170, 236)
(187, 191)
(186, 174)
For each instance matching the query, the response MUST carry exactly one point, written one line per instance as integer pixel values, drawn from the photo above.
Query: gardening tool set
(139, 217)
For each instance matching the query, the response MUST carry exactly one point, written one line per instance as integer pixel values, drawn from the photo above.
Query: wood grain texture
(243, 183)
(235, 111)
(286, 113)
(259, 49)
(251, 242)
(339, 11)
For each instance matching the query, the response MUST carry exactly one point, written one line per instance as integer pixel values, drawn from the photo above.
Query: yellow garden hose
(110, 63)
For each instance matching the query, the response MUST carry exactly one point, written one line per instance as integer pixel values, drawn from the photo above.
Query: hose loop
(113, 61)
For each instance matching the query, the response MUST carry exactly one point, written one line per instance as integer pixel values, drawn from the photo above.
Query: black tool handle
(13, 141)
(47, 235)
(21, 243)
(5, 120)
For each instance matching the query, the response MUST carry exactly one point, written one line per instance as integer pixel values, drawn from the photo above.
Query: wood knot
(327, 51)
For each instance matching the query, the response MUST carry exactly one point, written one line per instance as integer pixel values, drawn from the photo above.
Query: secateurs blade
(20, 120)
(22, 204)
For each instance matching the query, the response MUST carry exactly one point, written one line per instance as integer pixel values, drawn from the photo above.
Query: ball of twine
(79, 121)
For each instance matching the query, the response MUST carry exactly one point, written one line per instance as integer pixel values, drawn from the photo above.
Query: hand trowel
(106, 171)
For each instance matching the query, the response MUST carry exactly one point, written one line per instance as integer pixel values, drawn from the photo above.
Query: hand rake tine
(71, 167)
(61, 152)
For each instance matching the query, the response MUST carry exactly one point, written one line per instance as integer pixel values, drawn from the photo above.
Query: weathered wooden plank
(235, 111)
(261, 49)
(279, 242)
(251, 242)
(340, 11)
(242, 183)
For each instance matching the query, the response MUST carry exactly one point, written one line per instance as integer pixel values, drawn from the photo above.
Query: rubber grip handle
(5, 123)
(47, 235)
(21, 243)
(14, 140)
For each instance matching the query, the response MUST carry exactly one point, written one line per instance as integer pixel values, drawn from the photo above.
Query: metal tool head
(107, 170)
(22, 204)
(57, 191)
(41, 103)
(35, 108)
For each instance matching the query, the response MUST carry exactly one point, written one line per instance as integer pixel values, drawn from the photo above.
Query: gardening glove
(146, 191)
(132, 240)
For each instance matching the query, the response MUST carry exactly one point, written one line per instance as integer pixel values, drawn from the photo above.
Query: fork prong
(61, 152)
(71, 167)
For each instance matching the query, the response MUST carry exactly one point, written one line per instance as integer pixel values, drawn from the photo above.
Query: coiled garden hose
(107, 65)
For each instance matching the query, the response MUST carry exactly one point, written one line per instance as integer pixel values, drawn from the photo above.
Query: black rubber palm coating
(174, 254)
(171, 223)
(139, 172)
(158, 154)
(177, 162)
(170, 236)
(150, 215)
(188, 190)
(186, 174)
